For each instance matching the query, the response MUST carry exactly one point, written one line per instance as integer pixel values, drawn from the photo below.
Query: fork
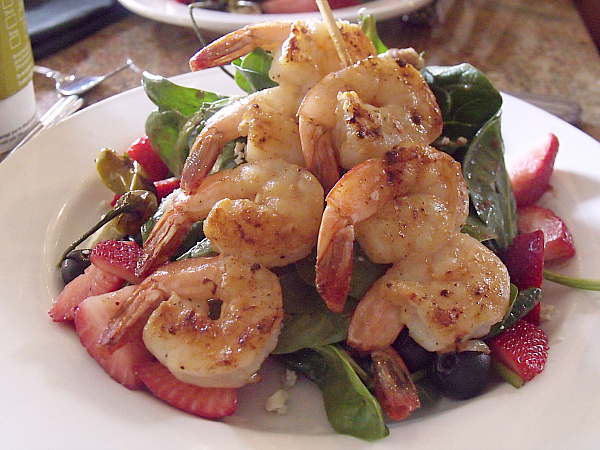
(74, 85)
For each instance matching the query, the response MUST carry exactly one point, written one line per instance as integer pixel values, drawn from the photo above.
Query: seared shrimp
(302, 56)
(210, 321)
(445, 297)
(363, 111)
(268, 212)
(302, 50)
(266, 117)
(408, 202)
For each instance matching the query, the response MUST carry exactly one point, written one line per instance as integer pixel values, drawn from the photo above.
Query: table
(539, 47)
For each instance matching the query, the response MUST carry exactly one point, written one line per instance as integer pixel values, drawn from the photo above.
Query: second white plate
(175, 13)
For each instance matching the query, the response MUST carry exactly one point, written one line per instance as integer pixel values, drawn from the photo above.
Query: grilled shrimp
(445, 297)
(210, 321)
(302, 50)
(267, 212)
(302, 56)
(408, 202)
(266, 118)
(363, 111)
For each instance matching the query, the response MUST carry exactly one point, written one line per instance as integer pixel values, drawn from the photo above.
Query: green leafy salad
(312, 341)
(312, 338)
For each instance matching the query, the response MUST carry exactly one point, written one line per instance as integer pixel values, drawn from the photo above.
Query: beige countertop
(524, 47)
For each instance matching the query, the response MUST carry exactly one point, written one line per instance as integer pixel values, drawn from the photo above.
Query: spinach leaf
(167, 95)
(466, 97)
(181, 113)
(351, 408)
(475, 228)
(369, 27)
(162, 128)
(252, 71)
(490, 188)
(200, 249)
(307, 321)
(521, 304)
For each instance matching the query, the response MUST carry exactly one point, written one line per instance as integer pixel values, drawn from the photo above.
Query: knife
(64, 107)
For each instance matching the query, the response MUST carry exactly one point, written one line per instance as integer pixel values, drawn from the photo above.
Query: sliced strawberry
(141, 151)
(394, 387)
(94, 281)
(91, 318)
(535, 315)
(166, 186)
(558, 241)
(524, 259)
(522, 349)
(210, 403)
(530, 174)
(118, 258)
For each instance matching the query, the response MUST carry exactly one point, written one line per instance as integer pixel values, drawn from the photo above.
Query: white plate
(170, 11)
(53, 395)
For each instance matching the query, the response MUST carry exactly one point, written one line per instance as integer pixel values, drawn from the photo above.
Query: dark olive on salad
(75, 264)
(462, 375)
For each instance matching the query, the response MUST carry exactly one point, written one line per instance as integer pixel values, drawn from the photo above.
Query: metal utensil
(64, 107)
(75, 85)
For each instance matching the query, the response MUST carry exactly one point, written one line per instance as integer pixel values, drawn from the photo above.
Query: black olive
(414, 356)
(74, 264)
(462, 375)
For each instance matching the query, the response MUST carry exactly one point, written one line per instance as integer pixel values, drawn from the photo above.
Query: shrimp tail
(132, 316)
(365, 337)
(319, 153)
(202, 158)
(165, 238)
(334, 264)
(234, 45)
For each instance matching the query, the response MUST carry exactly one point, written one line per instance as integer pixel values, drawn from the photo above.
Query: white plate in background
(175, 13)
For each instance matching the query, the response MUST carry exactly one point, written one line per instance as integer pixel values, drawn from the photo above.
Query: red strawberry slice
(210, 403)
(524, 259)
(166, 186)
(558, 241)
(522, 349)
(535, 315)
(91, 318)
(118, 258)
(94, 281)
(141, 151)
(530, 174)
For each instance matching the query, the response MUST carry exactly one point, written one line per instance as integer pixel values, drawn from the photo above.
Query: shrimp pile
(359, 133)
(407, 209)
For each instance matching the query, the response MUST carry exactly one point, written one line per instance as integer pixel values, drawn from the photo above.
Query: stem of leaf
(575, 282)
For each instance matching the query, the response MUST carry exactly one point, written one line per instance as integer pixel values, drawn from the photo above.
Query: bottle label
(16, 58)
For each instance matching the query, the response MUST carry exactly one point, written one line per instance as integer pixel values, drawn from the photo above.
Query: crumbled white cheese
(290, 379)
(546, 312)
(277, 402)
(240, 152)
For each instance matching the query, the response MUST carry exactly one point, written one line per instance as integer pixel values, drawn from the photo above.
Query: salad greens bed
(312, 338)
